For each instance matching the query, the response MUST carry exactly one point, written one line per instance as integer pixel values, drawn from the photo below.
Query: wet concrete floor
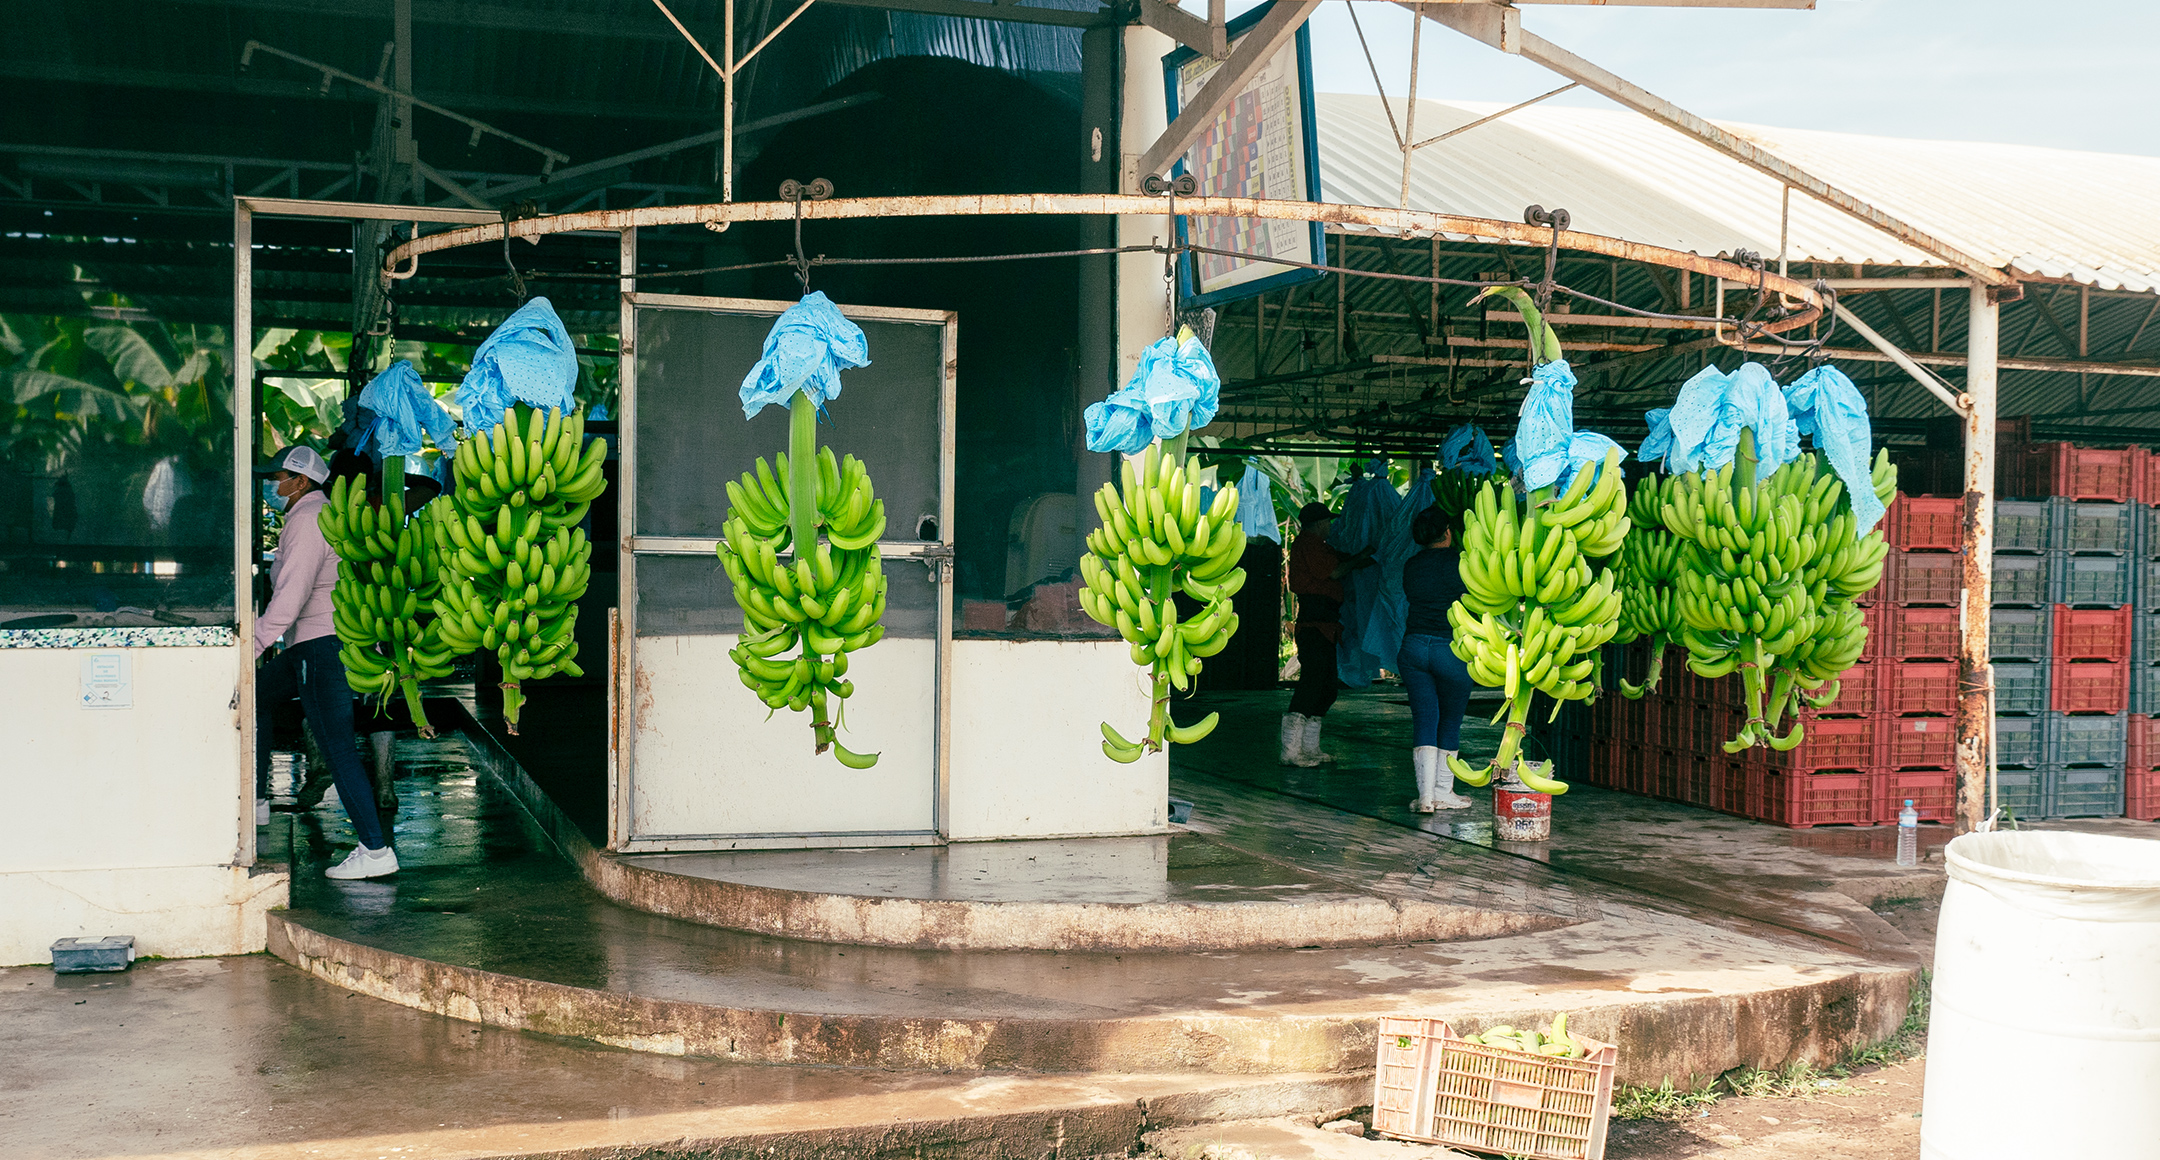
(246, 1057)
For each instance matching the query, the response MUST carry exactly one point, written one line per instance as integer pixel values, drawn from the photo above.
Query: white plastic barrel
(2044, 1036)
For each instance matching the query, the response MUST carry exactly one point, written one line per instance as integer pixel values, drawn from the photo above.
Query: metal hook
(795, 193)
(1558, 219)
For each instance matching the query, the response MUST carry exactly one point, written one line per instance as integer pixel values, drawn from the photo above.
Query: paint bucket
(1520, 814)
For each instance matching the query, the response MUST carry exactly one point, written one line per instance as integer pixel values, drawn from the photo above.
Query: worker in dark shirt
(1437, 680)
(1316, 572)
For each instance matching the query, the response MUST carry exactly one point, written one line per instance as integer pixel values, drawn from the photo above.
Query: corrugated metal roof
(2051, 213)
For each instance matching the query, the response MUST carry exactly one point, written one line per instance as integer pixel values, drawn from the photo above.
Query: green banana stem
(393, 487)
(1158, 586)
(513, 700)
(802, 480)
(1658, 645)
(1743, 475)
(1781, 694)
(411, 689)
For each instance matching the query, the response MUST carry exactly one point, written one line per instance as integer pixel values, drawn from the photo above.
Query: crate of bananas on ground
(1515, 1091)
(1772, 562)
(1158, 540)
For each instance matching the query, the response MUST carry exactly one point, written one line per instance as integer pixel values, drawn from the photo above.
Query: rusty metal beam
(1499, 27)
(1207, 37)
(397, 264)
(1975, 729)
(1255, 47)
(1920, 374)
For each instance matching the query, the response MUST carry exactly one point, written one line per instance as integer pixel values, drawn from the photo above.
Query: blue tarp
(1256, 506)
(528, 359)
(1702, 427)
(1174, 390)
(1467, 450)
(1828, 408)
(807, 348)
(1547, 449)
(406, 415)
(1362, 524)
(1388, 617)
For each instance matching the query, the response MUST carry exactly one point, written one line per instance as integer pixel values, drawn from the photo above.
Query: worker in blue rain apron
(1436, 679)
(308, 667)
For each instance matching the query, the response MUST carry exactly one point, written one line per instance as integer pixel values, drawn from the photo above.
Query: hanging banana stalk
(382, 607)
(827, 599)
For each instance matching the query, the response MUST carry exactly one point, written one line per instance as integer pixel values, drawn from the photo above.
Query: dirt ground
(1874, 1115)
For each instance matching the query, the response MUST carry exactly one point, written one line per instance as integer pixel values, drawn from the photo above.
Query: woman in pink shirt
(308, 667)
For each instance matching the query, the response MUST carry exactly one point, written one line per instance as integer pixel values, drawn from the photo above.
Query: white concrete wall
(1027, 756)
(127, 821)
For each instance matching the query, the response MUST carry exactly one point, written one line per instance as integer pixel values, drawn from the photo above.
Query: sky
(2033, 72)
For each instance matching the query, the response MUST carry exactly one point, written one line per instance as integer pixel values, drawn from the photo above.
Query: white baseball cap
(300, 459)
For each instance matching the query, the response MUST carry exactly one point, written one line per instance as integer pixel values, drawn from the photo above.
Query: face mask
(273, 497)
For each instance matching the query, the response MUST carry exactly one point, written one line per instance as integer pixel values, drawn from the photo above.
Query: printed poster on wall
(1264, 145)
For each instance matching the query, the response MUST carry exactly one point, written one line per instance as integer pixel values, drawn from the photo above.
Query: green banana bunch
(1554, 1040)
(1649, 565)
(1154, 541)
(827, 598)
(512, 544)
(1535, 608)
(1454, 489)
(1768, 575)
(382, 606)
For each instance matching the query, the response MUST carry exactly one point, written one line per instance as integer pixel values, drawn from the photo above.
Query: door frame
(937, 556)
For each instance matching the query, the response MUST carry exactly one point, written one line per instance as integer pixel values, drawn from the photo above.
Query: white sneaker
(365, 863)
(262, 811)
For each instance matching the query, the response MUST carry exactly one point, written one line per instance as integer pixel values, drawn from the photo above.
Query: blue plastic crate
(2097, 581)
(2021, 580)
(2094, 527)
(2021, 686)
(2021, 791)
(2020, 633)
(2145, 690)
(2086, 738)
(75, 956)
(2020, 741)
(2083, 793)
(2024, 525)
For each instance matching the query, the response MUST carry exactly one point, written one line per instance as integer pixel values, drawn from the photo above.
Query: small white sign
(106, 683)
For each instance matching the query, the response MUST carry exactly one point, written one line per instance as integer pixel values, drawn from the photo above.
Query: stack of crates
(2021, 648)
(2095, 557)
(1916, 669)
(2141, 769)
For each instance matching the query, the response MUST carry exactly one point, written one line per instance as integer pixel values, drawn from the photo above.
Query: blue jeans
(1439, 686)
(312, 672)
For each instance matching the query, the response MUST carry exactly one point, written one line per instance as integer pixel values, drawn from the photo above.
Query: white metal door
(700, 763)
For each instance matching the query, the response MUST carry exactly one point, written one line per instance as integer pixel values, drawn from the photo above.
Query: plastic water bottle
(1908, 835)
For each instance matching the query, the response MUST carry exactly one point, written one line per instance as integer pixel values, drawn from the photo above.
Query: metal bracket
(938, 558)
(1183, 185)
(817, 189)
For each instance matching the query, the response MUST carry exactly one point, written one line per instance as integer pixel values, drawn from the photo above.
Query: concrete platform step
(490, 923)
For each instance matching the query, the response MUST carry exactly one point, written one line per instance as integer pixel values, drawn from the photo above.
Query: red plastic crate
(2092, 634)
(1923, 577)
(2089, 687)
(2141, 795)
(1933, 793)
(1876, 618)
(1919, 687)
(1830, 743)
(1812, 799)
(2142, 743)
(1697, 779)
(1918, 634)
(1665, 774)
(2014, 475)
(2148, 477)
(2074, 472)
(1634, 770)
(1917, 742)
(1927, 522)
(1731, 785)
(1859, 692)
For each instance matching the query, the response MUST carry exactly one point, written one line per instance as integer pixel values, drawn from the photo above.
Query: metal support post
(246, 537)
(1976, 681)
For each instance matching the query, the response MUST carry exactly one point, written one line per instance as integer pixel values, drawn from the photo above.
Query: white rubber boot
(1423, 760)
(1444, 795)
(1309, 745)
(1293, 738)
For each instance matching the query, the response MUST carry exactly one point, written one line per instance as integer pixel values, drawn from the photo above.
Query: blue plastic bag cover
(1174, 390)
(1466, 449)
(1547, 449)
(405, 412)
(1828, 408)
(528, 360)
(807, 349)
(1256, 506)
(1702, 430)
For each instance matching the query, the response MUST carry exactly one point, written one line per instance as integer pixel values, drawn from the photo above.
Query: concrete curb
(1698, 1036)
